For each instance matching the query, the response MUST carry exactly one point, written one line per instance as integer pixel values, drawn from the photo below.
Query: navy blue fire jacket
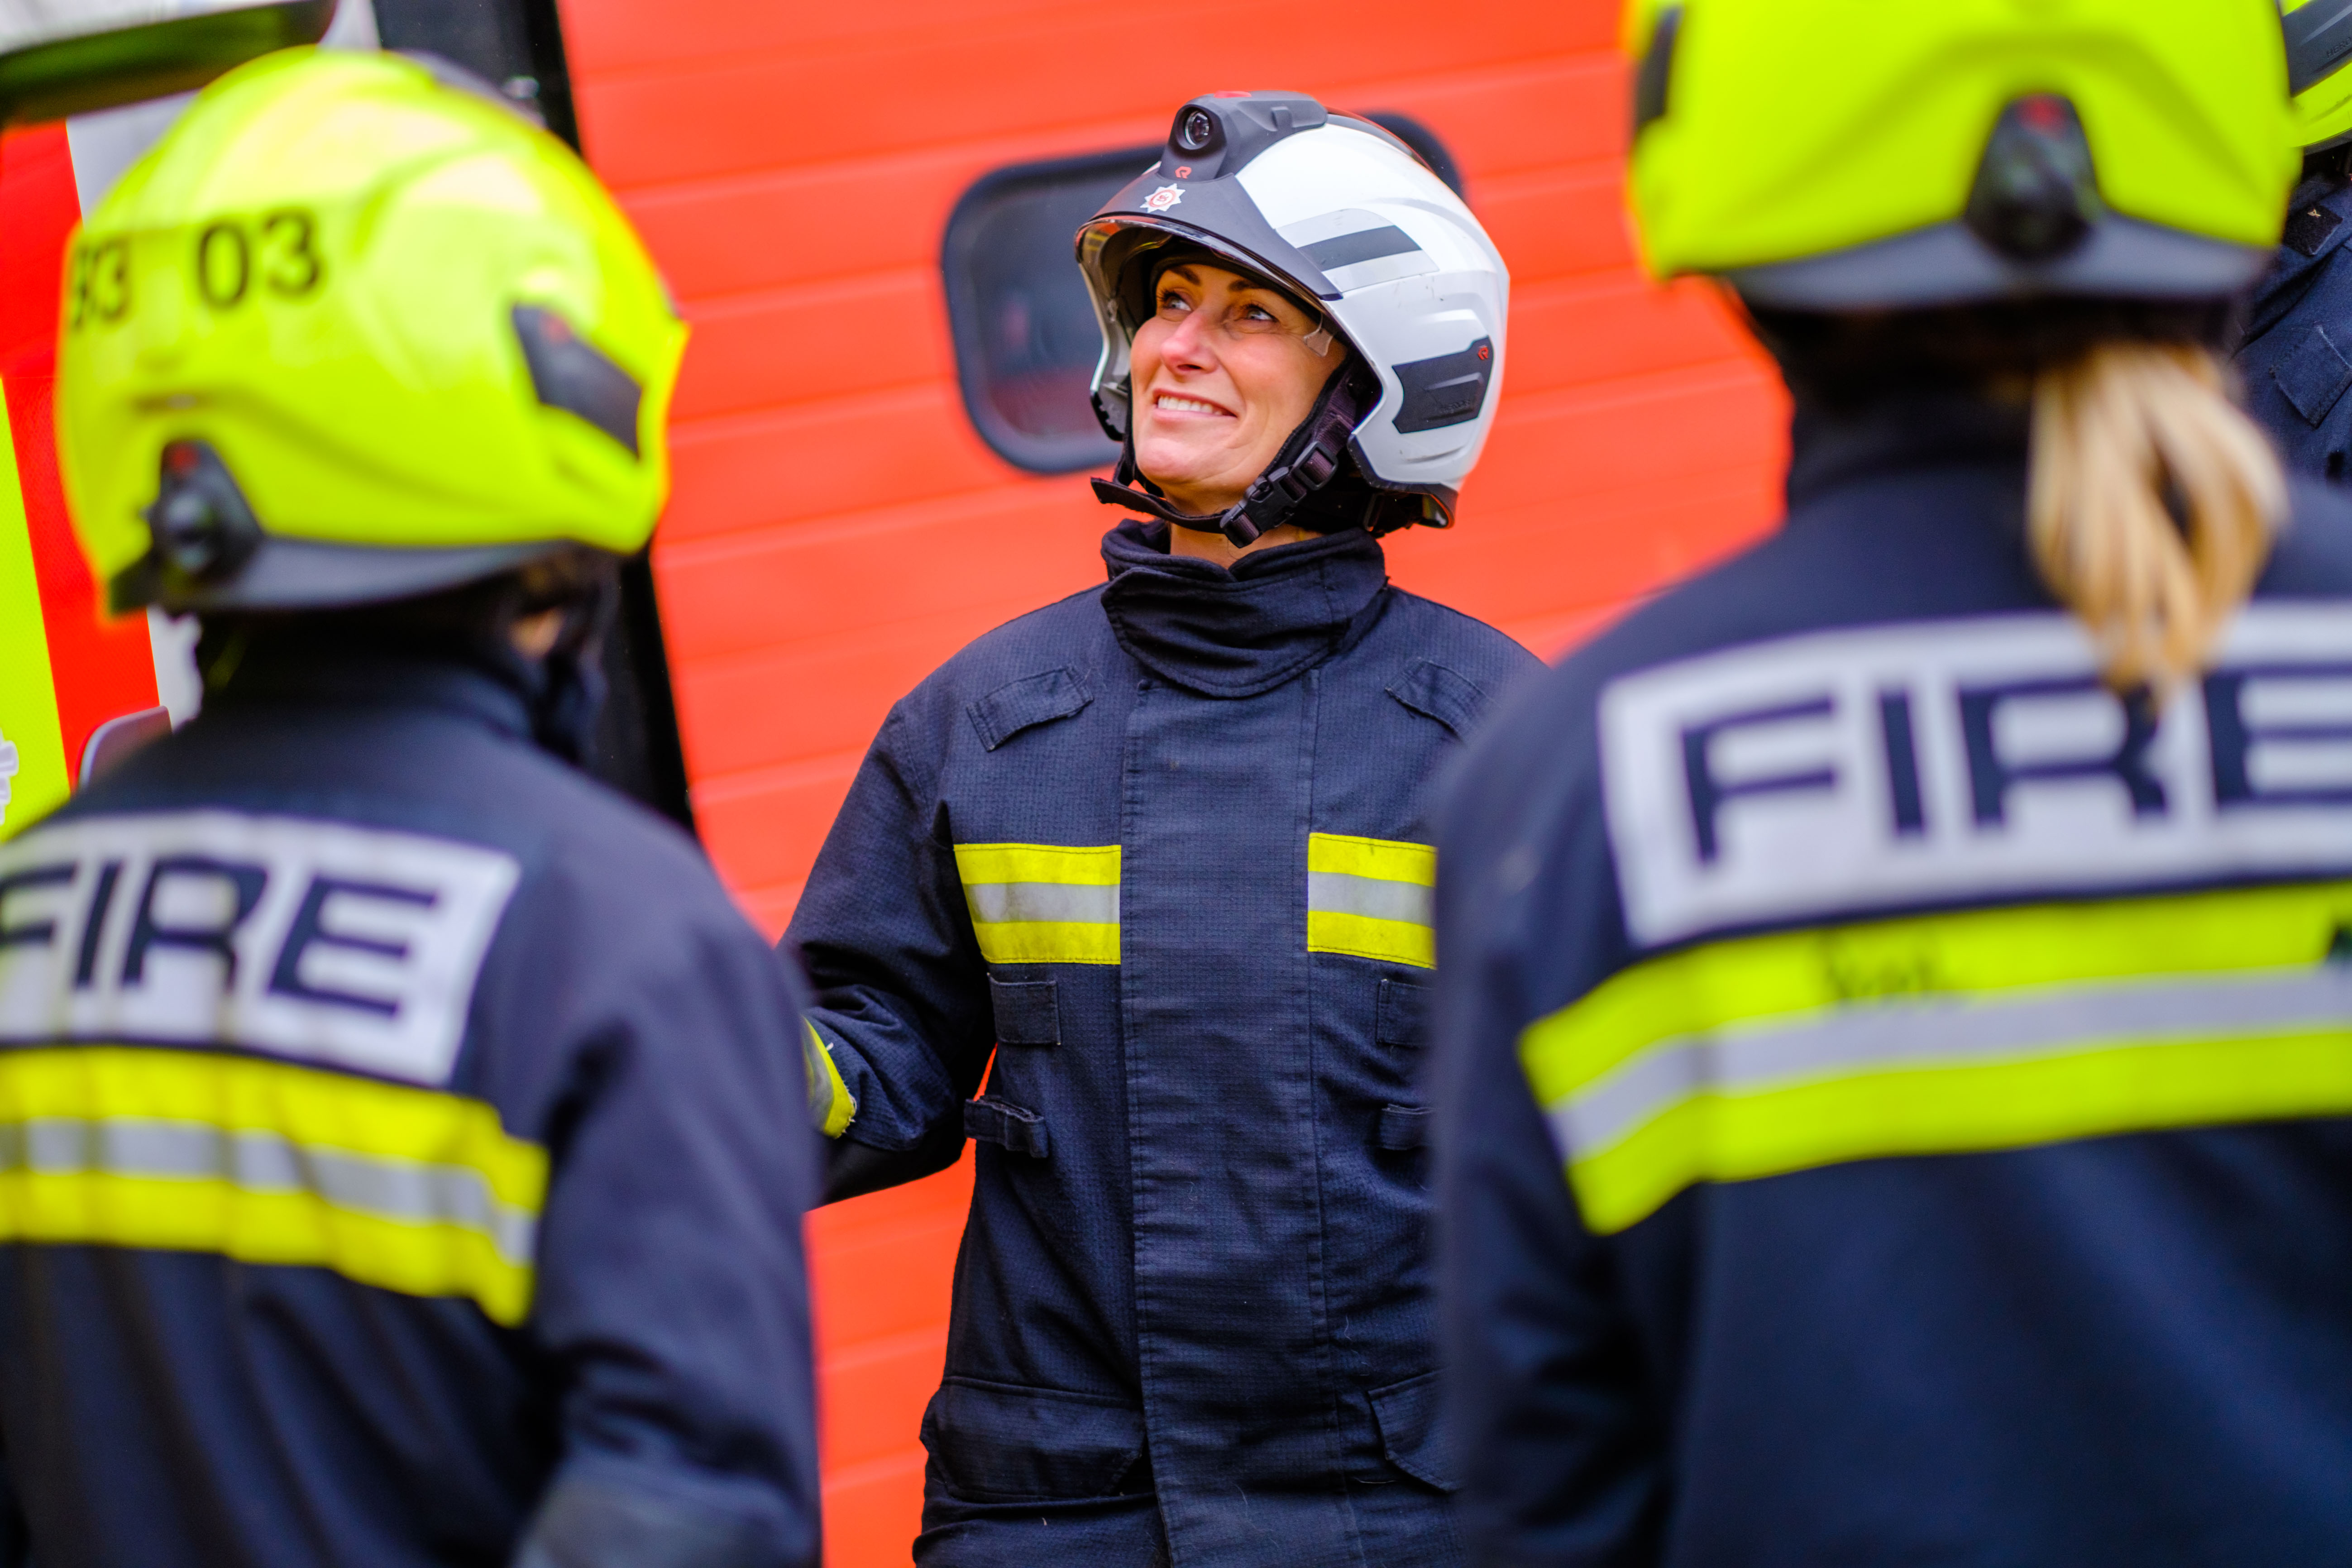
(1893, 1092)
(1160, 848)
(390, 1173)
(2296, 359)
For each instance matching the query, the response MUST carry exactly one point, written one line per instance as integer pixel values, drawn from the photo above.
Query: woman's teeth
(1187, 404)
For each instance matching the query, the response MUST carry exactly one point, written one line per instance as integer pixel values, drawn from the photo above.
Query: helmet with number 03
(1848, 155)
(1342, 216)
(2318, 50)
(351, 334)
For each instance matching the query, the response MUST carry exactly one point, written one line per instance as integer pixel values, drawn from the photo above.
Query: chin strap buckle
(1307, 461)
(1313, 455)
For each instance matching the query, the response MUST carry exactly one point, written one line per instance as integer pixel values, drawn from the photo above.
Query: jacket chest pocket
(995, 1442)
(1402, 1025)
(1028, 1012)
(1403, 1017)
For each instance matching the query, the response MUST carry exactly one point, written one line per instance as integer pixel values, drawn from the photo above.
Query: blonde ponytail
(2114, 432)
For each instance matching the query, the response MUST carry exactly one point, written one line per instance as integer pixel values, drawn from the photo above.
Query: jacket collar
(287, 670)
(1901, 430)
(1240, 632)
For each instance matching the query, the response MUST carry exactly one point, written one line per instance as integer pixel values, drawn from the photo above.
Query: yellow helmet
(2318, 48)
(350, 334)
(1841, 154)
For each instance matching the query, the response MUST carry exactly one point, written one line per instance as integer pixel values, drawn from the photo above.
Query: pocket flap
(1028, 1012)
(1000, 1441)
(1403, 1017)
(1433, 691)
(1022, 704)
(2313, 376)
(1411, 1417)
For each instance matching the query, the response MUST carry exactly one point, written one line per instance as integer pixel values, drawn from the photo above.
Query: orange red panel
(100, 669)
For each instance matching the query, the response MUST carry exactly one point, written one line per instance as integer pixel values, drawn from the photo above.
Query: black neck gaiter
(390, 652)
(1240, 632)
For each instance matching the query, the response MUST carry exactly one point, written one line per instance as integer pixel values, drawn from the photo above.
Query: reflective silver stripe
(1373, 898)
(1075, 904)
(268, 1164)
(1363, 245)
(1949, 1028)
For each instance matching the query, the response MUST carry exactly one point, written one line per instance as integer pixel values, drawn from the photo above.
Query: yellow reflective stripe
(1801, 972)
(1392, 942)
(831, 1105)
(1389, 860)
(2134, 1088)
(1041, 903)
(406, 1189)
(1047, 941)
(1369, 898)
(1978, 1030)
(1092, 866)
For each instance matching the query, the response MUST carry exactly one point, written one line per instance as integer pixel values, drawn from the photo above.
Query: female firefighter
(1159, 848)
(1894, 1040)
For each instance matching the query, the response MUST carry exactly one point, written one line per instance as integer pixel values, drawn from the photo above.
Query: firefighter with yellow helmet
(1895, 1042)
(2296, 359)
(388, 1163)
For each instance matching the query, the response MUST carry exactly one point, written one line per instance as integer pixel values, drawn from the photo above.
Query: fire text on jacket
(1845, 772)
(348, 946)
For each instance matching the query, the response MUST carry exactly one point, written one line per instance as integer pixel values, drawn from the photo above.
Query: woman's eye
(1173, 304)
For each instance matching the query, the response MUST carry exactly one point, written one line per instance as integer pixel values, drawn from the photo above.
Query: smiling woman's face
(1223, 371)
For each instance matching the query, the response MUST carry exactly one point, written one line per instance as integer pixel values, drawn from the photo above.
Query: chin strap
(1315, 453)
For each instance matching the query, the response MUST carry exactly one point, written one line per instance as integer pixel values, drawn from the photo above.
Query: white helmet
(1342, 214)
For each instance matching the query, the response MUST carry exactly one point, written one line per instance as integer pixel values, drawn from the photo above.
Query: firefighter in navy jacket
(1160, 848)
(2296, 358)
(1893, 1046)
(388, 1162)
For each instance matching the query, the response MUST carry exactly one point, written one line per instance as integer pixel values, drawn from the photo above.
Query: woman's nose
(1188, 346)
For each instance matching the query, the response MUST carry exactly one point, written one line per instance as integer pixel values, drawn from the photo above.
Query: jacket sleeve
(671, 1298)
(1560, 1444)
(901, 991)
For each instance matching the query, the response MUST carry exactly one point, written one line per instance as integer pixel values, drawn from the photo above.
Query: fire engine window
(1025, 339)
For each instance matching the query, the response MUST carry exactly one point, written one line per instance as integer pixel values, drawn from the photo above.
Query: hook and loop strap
(1005, 1124)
